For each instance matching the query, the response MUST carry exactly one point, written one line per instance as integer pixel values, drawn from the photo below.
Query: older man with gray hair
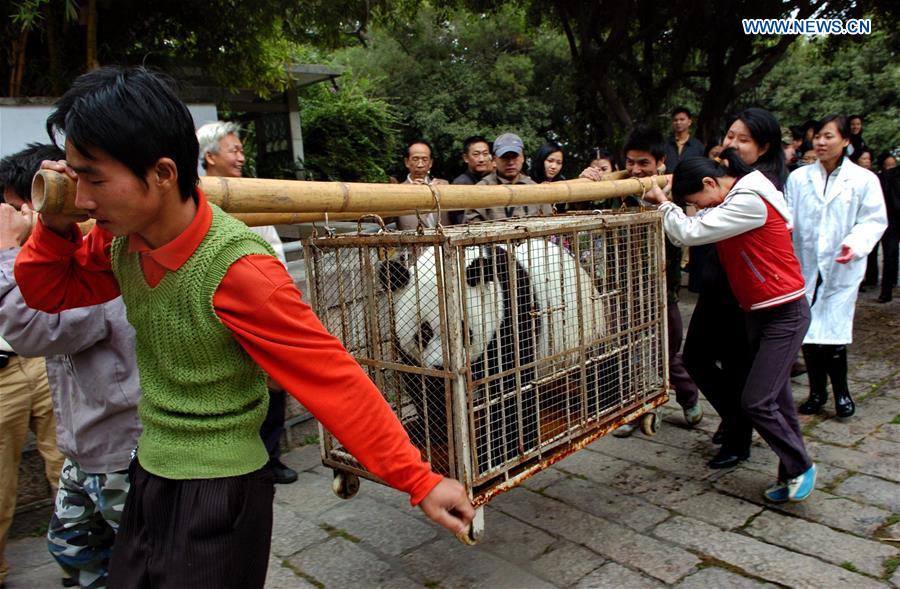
(222, 154)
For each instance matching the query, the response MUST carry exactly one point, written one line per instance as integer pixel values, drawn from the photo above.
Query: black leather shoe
(884, 298)
(813, 404)
(727, 458)
(844, 406)
(283, 475)
(69, 582)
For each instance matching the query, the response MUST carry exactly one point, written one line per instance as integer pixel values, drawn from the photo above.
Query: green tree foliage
(817, 79)
(238, 43)
(452, 76)
(347, 135)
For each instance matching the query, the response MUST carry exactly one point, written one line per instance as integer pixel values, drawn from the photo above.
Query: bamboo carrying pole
(300, 201)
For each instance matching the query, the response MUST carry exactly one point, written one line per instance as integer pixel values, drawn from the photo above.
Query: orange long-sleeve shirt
(258, 302)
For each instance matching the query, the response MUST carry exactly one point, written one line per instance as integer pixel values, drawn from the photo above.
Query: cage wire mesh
(500, 344)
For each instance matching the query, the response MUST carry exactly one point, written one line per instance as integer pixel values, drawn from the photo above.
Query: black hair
(860, 117)
(766, 132)
(857, 153)
(18, 170)
(842, 124)
(469, 141)
(689, 173)
(680, 109)
(419, 142)
(538, 172)
(843, 128)
(714, 142)
(882, 157)
(134, 115)
(646, 139)
(601, 153)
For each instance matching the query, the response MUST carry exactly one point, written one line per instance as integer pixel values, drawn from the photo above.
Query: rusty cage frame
(578, 394)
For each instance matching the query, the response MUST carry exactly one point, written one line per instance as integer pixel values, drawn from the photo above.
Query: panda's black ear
(393, 275)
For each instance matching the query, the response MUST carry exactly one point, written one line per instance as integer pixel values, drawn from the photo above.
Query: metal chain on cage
(331, 231)
(376, 218)
(438, 226)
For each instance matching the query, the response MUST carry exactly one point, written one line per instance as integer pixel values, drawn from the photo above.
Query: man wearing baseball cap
(509, 155)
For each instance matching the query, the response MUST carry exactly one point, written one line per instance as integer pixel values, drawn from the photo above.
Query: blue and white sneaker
(800, 487)
(777, 493)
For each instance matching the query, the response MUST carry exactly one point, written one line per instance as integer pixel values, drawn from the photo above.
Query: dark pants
(696, 264)
(825, 362)
(871, 277)
(890, 243)
(776, 335)
(196, 533)
(686, 392)
(717, 354)
(271, 429)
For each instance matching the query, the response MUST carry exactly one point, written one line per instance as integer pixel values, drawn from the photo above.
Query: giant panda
(520, 301)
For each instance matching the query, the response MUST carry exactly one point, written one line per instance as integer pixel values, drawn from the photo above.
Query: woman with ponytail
(747, 218)
(716, 353)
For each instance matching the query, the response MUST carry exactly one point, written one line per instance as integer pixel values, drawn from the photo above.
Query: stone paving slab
(658, 456)
(629, 510)
(867, 556)
(514, 540)
(593, 464)
(343, 563)
(889, 431)
(761, 559)
(617, 542)
(871, 490)
(821, 507)
(564, 563)
(291, 533)
(615, 575)
(714, 577)
(368, 520)
(715, 508)
(280, 576)
(447, 563)
(879, 466)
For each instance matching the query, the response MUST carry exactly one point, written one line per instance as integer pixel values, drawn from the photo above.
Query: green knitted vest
(204, 398)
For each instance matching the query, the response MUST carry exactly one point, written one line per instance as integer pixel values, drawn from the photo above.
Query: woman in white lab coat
(839, 216)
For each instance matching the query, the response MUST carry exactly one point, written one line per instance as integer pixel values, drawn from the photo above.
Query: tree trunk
(92, 62)
(17, 71)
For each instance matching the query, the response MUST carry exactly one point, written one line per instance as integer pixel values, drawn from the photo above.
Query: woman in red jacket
(747, 218)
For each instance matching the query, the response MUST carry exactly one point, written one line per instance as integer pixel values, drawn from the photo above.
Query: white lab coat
(848, 210)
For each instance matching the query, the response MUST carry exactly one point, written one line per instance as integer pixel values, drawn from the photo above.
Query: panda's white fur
(524, 304)
(554, 275)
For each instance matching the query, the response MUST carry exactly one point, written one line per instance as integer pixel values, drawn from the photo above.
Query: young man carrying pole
(211, 307)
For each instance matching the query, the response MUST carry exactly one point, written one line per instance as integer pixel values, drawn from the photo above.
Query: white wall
(21, 125)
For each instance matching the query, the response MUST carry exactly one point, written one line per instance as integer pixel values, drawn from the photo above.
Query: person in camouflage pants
(85, 522)
(95, 387)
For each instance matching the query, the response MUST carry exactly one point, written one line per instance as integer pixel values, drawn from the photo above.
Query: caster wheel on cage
(344, 484)
(650, 423)
(475, 531)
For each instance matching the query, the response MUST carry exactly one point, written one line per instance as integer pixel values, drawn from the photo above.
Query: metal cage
(501, 346)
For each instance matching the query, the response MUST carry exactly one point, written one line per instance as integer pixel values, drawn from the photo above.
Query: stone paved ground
(633, 513)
